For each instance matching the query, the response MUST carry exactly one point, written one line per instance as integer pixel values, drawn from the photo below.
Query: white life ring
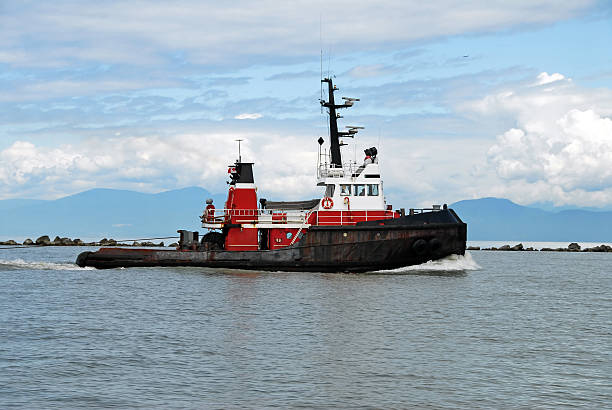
(327, 203)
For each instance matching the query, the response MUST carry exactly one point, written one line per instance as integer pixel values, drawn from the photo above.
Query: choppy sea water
(489, 330)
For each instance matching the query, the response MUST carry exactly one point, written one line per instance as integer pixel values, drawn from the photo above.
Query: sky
(464, 99)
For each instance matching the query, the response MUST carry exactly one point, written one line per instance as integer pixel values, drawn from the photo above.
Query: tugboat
(350, 229)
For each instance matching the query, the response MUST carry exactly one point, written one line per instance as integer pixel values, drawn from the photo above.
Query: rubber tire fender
(435, 244)
(420, 246)
(216, 238)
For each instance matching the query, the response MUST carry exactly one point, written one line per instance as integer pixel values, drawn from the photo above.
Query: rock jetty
(572, 247)
(45, 240)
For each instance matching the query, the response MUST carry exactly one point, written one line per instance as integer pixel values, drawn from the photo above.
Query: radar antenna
(334, 134)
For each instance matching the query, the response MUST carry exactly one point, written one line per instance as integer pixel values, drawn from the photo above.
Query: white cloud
(208, 32)
(576, 153)
(544, 78)
(155, 164)
(560, 149)
(285, 165)
(248, 116)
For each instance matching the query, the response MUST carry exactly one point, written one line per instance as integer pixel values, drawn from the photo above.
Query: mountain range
(121, 214)
(110, 213)
(496, 219)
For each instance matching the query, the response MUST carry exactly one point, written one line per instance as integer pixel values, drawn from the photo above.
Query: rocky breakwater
(572, 247)
(57, 241)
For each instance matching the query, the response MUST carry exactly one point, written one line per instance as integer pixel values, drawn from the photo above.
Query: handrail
(326, 169)
(352, 216)
(282, 216)
(434, 208)
(223, 215)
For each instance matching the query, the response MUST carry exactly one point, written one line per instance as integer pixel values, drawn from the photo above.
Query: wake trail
(452, 263)
(39, 265)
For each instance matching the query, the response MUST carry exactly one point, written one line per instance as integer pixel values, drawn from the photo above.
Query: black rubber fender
(216, 238)
(435, 244)
(81, 260)
(420, 246)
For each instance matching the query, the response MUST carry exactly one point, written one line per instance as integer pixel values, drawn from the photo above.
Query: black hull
(391, 244)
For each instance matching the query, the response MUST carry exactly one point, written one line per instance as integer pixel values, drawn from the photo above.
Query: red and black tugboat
(349, 229)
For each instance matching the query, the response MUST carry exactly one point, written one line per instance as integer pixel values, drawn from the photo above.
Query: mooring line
(146, 239)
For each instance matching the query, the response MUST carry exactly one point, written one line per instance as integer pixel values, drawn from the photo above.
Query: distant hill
(491, 219)
(108, 213)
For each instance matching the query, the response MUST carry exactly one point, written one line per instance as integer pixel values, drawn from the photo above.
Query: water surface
(494, 329)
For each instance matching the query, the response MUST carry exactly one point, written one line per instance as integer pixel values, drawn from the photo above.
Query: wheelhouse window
(372, 189)
(360, 190)
(329, 190)
(345, 190)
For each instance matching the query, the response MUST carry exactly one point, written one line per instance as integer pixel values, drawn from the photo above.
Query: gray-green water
(495, 329)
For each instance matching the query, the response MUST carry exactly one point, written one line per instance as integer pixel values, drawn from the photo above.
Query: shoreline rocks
(572, 247)
(43, 240)
(600, 248)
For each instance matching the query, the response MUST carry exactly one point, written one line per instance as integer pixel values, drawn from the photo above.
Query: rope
(146, 239)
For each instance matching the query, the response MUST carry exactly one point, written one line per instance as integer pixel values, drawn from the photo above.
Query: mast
(334, 134)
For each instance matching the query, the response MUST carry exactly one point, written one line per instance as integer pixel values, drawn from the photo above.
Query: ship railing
(351, 217)
(283, 216)
(286, 216)
(328, 170)
(251, 216)
(434, 208)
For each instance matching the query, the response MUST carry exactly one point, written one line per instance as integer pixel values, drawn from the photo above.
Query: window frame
(369, 189)
(342, 190)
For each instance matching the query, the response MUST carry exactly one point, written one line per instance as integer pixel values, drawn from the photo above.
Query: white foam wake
(452, 263)
(39, 265)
